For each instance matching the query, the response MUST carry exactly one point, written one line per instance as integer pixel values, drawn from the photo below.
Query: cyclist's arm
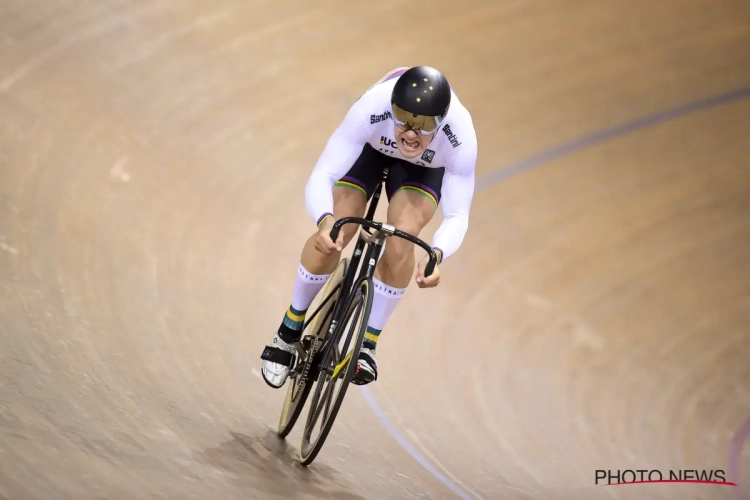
(457, 193)
(341, 151)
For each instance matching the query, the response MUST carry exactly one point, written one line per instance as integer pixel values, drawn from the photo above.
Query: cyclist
(412, 122)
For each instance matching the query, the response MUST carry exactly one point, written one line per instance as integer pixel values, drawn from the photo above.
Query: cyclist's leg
(410, 210)
(347, 202)
(350, 199)
(414, 198)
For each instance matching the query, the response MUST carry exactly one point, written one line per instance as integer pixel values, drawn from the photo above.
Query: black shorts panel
(368, 170)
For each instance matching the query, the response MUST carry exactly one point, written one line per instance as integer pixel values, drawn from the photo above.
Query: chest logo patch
(428, 155)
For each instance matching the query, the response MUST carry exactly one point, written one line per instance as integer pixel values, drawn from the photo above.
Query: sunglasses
(425, 125)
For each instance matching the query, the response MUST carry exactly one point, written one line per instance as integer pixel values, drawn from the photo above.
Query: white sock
(306, 287)
(384, 302)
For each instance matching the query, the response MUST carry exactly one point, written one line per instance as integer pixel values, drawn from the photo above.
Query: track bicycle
(326, 357)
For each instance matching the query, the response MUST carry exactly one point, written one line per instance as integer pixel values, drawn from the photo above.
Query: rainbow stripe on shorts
(421, 189)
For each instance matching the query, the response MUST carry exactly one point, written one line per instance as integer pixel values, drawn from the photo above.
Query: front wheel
(336, 371)
(300, 382)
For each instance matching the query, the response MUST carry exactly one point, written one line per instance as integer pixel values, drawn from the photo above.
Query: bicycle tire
(309, 450)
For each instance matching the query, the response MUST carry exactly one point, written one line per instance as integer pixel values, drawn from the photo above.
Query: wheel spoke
(327, 395)
(318, 406)
(329, 398)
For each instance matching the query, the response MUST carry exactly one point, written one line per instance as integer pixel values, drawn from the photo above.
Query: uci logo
(387, 142)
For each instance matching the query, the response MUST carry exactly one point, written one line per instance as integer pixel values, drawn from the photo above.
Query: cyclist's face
(410, 143)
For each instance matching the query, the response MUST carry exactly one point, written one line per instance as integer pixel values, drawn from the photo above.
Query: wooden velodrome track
(152, 163)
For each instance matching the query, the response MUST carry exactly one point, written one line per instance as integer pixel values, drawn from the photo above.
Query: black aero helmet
(420, 99)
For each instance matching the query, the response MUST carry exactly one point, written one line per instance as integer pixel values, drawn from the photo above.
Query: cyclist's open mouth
(411, 146)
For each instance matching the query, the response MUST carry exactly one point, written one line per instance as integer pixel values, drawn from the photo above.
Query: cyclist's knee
(410, 211)
(397, 252)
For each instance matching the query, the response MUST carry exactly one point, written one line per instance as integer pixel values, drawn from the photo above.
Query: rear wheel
(300, 377)
(337, 370)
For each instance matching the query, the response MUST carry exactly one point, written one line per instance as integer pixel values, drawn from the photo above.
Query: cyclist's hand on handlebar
(323, 242)
(432, 280)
